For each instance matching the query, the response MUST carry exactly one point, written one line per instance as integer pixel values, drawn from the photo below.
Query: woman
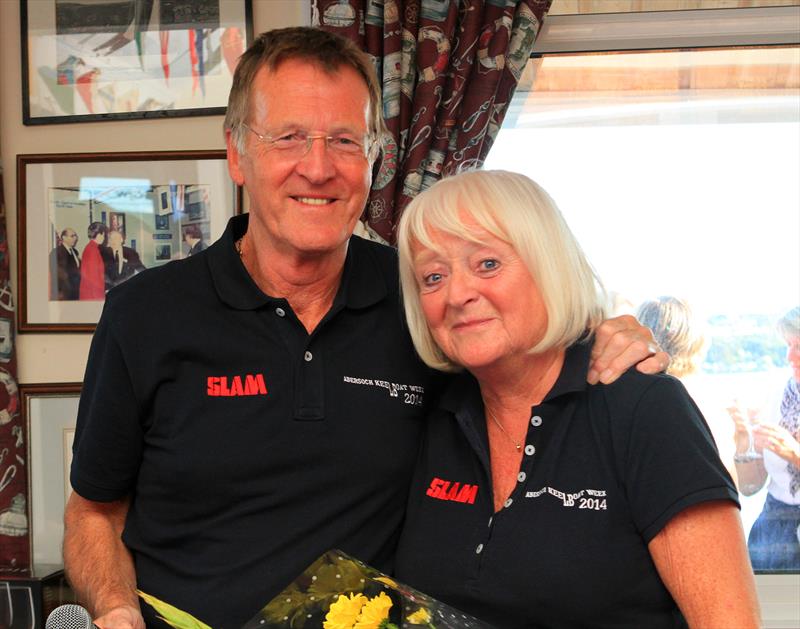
(93, 276)
(774, 540)
(677, 332)
(540, 500)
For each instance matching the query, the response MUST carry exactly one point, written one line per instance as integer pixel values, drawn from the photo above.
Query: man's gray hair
(325, 50)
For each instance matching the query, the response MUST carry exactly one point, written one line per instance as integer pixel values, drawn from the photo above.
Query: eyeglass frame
(367, 147)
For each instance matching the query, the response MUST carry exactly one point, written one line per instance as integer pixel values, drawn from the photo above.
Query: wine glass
(747, 418)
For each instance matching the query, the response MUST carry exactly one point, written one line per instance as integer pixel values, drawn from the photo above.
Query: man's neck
(308, 282)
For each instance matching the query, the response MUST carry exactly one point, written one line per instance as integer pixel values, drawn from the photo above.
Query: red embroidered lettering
(433, 490)
(451, 495)
(453, 491)
(249, 384)
(467, 494)
(254, 385)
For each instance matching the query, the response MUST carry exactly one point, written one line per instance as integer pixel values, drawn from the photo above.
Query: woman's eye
(489, 264)
(431, 279)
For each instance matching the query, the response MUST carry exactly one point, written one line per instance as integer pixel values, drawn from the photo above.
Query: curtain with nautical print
(14, 530)
(448, 69)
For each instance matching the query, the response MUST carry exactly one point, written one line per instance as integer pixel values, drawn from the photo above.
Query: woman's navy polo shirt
(249, 446)
(604, 469)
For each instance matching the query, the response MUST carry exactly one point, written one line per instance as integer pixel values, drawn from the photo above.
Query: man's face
(115, 240)
(70, 238)
(306, 205)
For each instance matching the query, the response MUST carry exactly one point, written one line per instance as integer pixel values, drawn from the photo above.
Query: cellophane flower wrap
(338, 591)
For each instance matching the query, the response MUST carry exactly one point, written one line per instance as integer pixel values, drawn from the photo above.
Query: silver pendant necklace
(517, 445)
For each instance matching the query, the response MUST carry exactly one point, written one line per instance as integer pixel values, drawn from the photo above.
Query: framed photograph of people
(86, 60)
(49, 413)
(88, 222)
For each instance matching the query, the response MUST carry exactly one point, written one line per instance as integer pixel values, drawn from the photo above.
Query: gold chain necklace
(238, 246)
(517, 445)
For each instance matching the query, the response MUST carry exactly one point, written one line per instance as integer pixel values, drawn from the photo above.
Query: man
(210, 473)
(121, 262)
(65, 267)
(193, 237)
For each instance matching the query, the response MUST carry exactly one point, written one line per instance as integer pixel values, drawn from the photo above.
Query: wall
(62, 357)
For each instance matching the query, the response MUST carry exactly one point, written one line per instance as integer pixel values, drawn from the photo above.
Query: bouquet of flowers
(340, 592)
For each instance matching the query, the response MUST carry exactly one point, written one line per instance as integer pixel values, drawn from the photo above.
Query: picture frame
(49, 413)
(92, 60)
(63, 197)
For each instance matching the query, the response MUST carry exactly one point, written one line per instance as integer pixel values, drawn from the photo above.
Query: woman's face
(481, 303)
(793, 355)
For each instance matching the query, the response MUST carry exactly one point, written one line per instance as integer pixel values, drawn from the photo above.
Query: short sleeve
(671, 461)
(108, 436)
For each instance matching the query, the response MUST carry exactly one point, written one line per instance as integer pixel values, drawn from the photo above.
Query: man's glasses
(297, 143)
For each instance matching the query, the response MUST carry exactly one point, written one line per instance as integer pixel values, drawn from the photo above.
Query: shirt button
(536, 420)
(521, 477)
(307, 357)
(529, 449)
(507, 503)
(280, 312)
(479, 549)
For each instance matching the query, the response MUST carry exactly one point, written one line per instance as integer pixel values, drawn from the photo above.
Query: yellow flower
(420, 617)
(344, 612)
(374, 612)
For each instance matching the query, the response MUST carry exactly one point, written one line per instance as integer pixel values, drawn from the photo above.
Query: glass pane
(679, 172)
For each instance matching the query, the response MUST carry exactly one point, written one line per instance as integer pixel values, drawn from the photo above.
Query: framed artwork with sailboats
(90, 60)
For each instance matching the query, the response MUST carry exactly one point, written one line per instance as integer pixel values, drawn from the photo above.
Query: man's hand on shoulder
(621, 343)
(121, 618)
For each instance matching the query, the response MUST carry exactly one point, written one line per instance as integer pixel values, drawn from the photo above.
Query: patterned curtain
(14, 531)
(449, 69)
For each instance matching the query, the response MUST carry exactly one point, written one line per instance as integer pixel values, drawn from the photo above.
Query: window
(679, 173)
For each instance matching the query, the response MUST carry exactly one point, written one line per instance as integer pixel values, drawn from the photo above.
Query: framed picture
(49, 413)
(87, 222)
(89, 60)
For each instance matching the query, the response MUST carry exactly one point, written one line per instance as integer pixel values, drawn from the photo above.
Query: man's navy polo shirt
(249, 446)
(604, 469)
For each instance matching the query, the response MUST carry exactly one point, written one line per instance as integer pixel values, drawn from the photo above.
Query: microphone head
(69, 617)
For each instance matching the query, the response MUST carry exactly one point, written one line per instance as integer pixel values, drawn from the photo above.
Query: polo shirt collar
(464, 391)
(362, 281)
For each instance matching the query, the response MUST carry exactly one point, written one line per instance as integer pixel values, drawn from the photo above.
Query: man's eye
(344, 143)
(289, 139)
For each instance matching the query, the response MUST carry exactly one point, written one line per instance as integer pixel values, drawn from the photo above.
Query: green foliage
(173, 616)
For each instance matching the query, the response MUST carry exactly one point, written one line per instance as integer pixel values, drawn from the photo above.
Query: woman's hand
(778, 440)
(743, 421)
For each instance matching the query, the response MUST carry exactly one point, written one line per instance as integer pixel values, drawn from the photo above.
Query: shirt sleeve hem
(695, 498)
(95, 493)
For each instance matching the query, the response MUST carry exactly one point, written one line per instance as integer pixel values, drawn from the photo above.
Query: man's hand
(121, 618)
(621, 343)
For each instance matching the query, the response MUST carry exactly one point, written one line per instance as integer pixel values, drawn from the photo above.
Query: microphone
(69, 617)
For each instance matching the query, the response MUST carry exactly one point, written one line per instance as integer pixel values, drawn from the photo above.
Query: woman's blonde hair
(518, 211)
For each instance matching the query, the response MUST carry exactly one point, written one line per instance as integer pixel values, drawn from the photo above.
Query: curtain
(448, 69)
(14, 531)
